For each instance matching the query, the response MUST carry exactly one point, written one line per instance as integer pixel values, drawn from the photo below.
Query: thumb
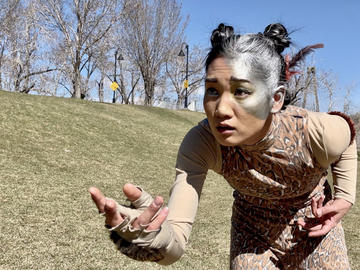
(131, 192)
(113, 217)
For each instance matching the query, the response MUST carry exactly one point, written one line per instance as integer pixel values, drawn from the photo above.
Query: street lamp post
(186, 83)
(117, 58)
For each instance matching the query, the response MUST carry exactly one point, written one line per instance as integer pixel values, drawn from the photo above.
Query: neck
(263, 132)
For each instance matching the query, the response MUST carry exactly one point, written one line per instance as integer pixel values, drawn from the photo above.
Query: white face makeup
(237, 105)
(259, 102)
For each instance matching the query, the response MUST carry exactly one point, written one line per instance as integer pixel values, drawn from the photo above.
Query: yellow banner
(186, 84)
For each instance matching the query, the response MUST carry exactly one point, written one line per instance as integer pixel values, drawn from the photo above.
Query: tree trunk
(179, 102)
(149, 86)
(1, 58)
(101, 89)
(76, 80)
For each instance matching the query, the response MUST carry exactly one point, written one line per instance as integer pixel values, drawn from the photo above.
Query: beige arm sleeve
(330, 137)
(198, 153)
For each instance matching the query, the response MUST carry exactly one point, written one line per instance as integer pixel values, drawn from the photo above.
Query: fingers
(131, 192)
(316, 206)
(310, 224)
(106, 206)
(112, 216)
(146, 217)
(159, 220)
(325, 228)
(317, 227)
(98, 198)
(152, 218)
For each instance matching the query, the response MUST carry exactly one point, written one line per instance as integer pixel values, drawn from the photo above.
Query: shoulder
(199, 133)
(330, 135)
(200, 146)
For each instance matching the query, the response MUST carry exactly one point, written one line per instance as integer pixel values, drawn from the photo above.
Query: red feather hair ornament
(297, 58)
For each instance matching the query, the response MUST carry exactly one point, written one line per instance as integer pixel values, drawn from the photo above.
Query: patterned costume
(274, 181)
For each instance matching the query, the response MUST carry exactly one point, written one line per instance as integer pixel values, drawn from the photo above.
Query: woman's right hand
(146, 219)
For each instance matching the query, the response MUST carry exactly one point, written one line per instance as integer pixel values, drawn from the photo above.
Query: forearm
(196, 155)
(183, 204)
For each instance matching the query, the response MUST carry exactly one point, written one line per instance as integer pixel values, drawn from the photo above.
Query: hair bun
(221, 34)
(279, 35)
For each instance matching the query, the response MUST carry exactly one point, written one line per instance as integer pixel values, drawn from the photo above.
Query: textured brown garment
(264, 234)
(274, 181)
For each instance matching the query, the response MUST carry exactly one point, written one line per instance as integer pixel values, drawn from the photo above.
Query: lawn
(53, 149)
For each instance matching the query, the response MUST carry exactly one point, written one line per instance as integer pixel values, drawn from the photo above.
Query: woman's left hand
(326, 216)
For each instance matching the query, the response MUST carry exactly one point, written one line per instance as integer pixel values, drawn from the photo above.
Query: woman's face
(236, 103)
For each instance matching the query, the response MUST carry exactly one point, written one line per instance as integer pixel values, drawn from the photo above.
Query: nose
(223, 107)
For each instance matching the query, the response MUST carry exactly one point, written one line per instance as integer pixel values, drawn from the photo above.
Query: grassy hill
(53, 149)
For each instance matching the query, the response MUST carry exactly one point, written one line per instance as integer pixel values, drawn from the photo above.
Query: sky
(334, 23)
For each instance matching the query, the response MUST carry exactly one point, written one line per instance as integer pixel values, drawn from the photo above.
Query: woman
(274, 156)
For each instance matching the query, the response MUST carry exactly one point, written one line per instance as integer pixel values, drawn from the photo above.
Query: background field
(52, 150)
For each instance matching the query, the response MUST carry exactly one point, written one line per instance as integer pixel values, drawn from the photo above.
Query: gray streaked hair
(260, 52)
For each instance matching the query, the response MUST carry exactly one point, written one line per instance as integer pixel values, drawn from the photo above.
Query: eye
(241, 92)
(211, 91)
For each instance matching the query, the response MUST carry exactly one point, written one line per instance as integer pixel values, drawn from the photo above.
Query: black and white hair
(261, 52)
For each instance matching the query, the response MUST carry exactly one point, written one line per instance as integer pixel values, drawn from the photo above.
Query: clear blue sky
(332, 22)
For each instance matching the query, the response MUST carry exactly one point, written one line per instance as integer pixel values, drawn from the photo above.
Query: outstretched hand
(326, 216)
(149, 219)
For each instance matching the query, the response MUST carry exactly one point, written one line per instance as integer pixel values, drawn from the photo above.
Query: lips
(225, 129)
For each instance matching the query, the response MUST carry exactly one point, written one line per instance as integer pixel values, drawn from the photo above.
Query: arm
(332, 141)
(198, 153)
(333, 144)
(145, 234)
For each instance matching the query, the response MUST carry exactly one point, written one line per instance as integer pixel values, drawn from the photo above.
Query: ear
(278, 99)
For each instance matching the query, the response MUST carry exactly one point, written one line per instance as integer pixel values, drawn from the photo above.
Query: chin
(228, 142)
(233, 141)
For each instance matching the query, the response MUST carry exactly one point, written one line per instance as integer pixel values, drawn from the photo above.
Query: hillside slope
(53, 149)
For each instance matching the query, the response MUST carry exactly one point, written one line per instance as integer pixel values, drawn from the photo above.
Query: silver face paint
(259, 103)
(238, 111)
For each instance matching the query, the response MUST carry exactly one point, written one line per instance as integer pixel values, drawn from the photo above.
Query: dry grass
(53, 149)
(352, 229)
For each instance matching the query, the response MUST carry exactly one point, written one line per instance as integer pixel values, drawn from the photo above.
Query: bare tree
(97, 60)
(299, 86)
(301, 83)
(8, 17)
(22, 52)
(311, 86)
(148, 33)
(347, 98)
(128, 83)
(175, 70)
(328, 82)
(77, 27)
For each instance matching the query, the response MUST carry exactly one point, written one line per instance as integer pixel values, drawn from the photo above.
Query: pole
(187, 76)
(116, 52)
(317, 106)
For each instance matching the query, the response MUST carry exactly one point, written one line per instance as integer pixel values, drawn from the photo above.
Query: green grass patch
(53, 149)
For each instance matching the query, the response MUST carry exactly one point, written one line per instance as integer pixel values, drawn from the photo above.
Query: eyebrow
(232, 78)
(211, 80)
